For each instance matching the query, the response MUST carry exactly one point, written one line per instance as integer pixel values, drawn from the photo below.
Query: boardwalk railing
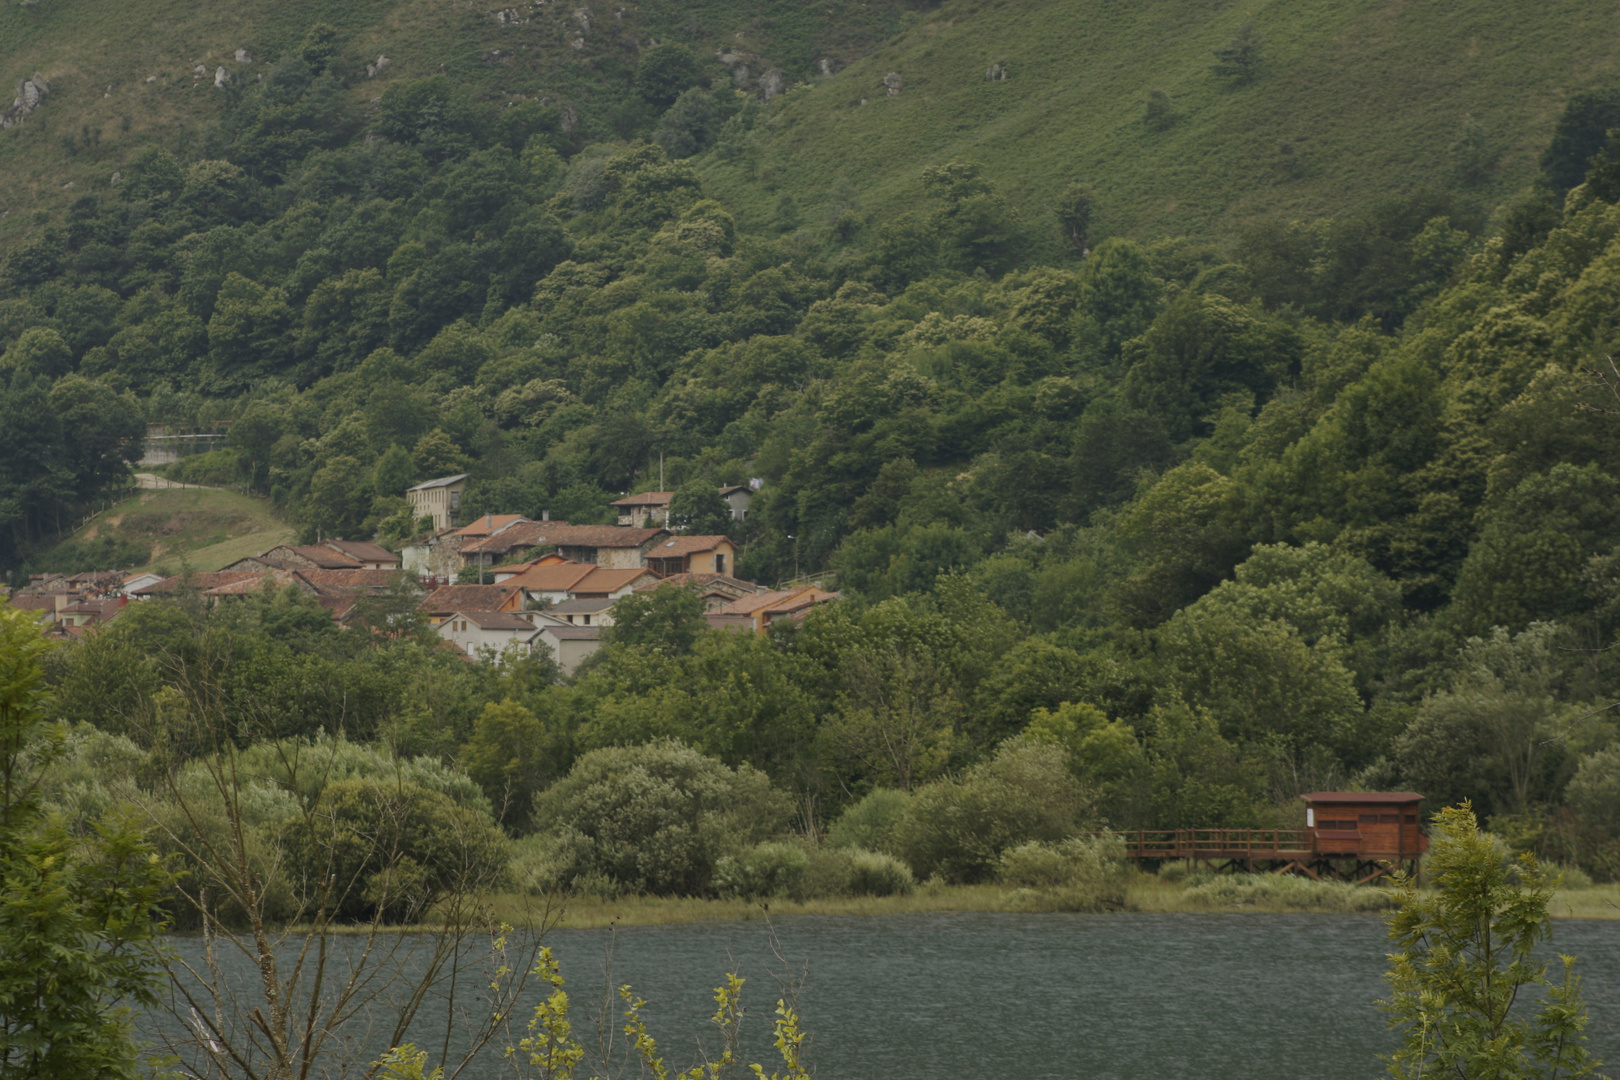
(1215, 843)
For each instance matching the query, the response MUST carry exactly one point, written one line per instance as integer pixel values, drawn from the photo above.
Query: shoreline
(1141, 897)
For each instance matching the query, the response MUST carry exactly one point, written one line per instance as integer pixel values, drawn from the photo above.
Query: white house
(492, 633)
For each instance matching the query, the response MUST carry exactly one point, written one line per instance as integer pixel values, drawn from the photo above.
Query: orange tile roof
(364, 550)
(201, 581)
(489, 524)
(448, 598)
(550, 577)
(677, 547)
(601, 580)
(646, 498)
(781, 599)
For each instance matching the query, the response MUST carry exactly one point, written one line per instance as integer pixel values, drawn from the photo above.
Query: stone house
(439, 499)
(760, 611)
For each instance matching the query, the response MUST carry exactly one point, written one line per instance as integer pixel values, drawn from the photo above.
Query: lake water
(970, 996)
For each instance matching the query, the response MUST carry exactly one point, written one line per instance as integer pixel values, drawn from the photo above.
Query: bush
(959, 828)
(799, 872)
(1078, 874)
(655, 818)
(764, 870)
(393, 849)
(872, 873)
(872, 822)
(1274, 891)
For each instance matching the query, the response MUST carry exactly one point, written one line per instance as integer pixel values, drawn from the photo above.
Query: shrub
(1078, 874)
(799, 872)
(393, 849)
(872, 873)
(765, 870)
(656, 818)
(959, 828)
(1274, 891)
(872, 822)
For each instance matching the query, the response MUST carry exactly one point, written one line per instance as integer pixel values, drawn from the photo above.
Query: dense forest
(1169, 530)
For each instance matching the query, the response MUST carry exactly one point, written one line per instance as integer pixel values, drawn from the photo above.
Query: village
(495, 588)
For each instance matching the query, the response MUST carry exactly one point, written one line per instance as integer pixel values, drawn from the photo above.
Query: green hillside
(124, 76)
(1370, 96)
(170, 529)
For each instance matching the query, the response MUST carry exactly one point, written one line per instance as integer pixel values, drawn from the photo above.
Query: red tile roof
(202, 581)
(550, 577)
(601, 580)
(677, 547)
(646, 498)
(450, 598)
(489, 524)
(363, 550)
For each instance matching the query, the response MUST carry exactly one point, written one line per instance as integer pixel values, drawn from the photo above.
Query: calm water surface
(969, 996)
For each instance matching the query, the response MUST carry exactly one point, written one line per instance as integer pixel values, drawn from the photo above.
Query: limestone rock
(576, 43)
(221, 77)
(570, 118)
(893, 82)
(582, 17)
(30, 96)
(200, 69)
(825, 65)
(374, 70)
(996, 73)
(151, 78)
(772, 83)
(243, 56)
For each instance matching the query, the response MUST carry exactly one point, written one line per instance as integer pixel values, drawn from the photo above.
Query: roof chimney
(545, 515)
(489, 521)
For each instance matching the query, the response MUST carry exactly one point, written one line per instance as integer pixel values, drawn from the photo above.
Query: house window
(1389, 819)
(587, 620)
(719, 562)
(1369, 819)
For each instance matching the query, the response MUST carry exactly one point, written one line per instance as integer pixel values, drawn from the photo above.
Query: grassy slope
(1371, 93)
(199, 528)
(97, 57)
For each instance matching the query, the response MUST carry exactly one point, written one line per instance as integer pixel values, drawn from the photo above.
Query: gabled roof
(588, 606)
(495, 620)
(276, 579)
(599, 536)
(601, 580)
(489, 524)
(550, 576)
(363, 550)
(732, 489)
(573, 633)
(646, 498)
(703, 582)
(776, 600)
(677, 547)
(443, 481)
(449, 598)
(371, 580)
(1363, 797)
(323, 557)
(202, 581)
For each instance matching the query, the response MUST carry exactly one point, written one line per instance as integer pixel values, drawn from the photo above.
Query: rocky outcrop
(243, 56)
(893, 82)
(31, 95)
(772, 83)
(374, 70)
(221, 77)
(996, 73)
